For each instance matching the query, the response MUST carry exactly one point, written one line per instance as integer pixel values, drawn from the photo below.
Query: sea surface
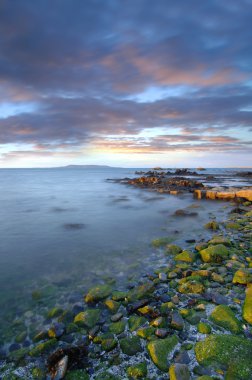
(72, 227)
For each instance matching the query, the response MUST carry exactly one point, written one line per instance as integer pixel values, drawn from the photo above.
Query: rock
(112, 305)
(54, 312)
(78, 374)
(140, 292)
(185, 256)
(136, 305)
(181, 212)
(136, 322)
(60, 369)
(230, 351)
(214, 253)
(177, 321)
(217, 278)
(159, 351)
(182, 358)
(204, 328)
(43, 347)
(173, 249)
(137, 371)
(119, 296)
(88, 318)
(212, 225)
(247, 307)
(219, 299)
(161, 333)
(219, 240)
(243, 276)
(108, 342)
(162, 276)
(117, 327)
(146, 332)
(191, 286)
(130, 346)
(161, 242)
(116, 317)
(179, 372)
(98, 293)
(223, 316)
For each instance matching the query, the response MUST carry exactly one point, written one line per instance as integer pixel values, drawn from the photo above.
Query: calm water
(64, 226)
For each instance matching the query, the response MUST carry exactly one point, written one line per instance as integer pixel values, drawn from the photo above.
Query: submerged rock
(230, 351)
(88, 318)
(98, 293)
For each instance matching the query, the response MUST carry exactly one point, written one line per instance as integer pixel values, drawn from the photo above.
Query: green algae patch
(223, 316)
(130, 346)
(159, 350)
(117, 327)
(146, 332)
(242, 276)
(247, 307)
(136, 322)
(161, 242)
(185, 256)
(87, 318)
(179, 372)
(43, 347)
(212, 226)
(140, 292)
(98, 293)
(173, 249)
(230, 351)
(78, 374)
(191, 286)
(137, 371)
(54, 312)
(214, 253)
(219, 240)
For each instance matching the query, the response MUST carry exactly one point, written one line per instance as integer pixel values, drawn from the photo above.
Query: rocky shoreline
(189, 318)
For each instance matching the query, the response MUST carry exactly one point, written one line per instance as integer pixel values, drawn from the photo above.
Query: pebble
(162, 276)
(161, 333)
(116, 317)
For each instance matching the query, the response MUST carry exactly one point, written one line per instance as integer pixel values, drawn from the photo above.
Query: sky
(132, 83)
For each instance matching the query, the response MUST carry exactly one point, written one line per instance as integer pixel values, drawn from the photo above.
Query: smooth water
(68, 226)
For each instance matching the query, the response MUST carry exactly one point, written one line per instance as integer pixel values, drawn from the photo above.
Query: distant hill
(86, 167)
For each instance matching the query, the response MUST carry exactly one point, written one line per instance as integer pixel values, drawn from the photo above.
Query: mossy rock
(233, 226)
(18, 355)
(117, 327)
(137, 371)
(159, 351)
(204, 328)
(71, 328)
(193, 287)
(108, 342)
(21, 337)
(87, 318)
(214, 253)
(161, 242)
(98, 293)
(54, 312)
(247, 306)
(43, 347)
(38, 373)
(220, 240)
(212, 225)
(118, 295)
(227, 350)
(243, 276)
(173, 249)
(140, 292)
(146, 332)
(204, 377)
(136, 322)
(223, 316)
(112, 305)
(106, 376)
(185, 256)
(179, 371)
(78, 374)
(130, 346)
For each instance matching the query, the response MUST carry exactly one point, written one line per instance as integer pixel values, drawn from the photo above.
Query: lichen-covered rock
(136, 322)
(146, 332)
(214, 253)
(191, 286)
(140, 292)
(247, 306)
(219, 240)
(98, 293)
(179, 371)
(117, 327)
(159, 351)
(87, 318)
(112, 305)
(137, 371)
(78, 374)
(243, 276)
(185, 256)
(223, 316)
(230, 351)
(43, 347)
(130, 346)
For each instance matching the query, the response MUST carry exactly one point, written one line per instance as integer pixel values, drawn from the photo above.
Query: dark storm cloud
(80, 61)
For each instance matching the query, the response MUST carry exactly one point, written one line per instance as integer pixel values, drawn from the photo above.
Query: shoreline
(124, 334)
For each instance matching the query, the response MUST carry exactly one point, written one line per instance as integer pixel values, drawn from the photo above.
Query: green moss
(21, 337)
(108, 342)
(137, 371)
(204, 328)
(219, 240)
(233, 226)
(214, 253)
(112, 305)
(243, 276)
(179, 372)
(117, 327)
(130, 346)
(161, 242)
(141, 291)
(247, 307)
(43, 347)
(146, 332)
(119, 296)
(98, 293)
(87, 318)
(191, 287)
(186, 256)
(135, 322)
(38, 373)
(223, 316)
(18, 355)
(54, 312)
(231, 351)
(159, 351)
(78, 374)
